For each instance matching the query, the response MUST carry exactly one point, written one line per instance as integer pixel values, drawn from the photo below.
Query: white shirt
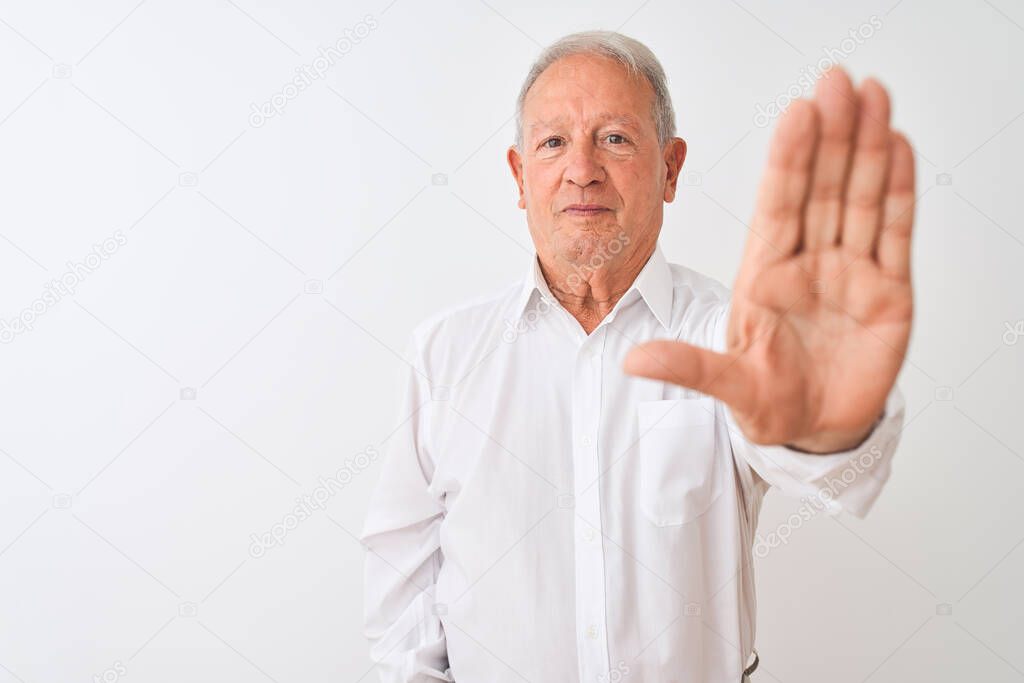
(541, 515)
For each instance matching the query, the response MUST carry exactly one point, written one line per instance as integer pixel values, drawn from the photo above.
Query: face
(591, 171)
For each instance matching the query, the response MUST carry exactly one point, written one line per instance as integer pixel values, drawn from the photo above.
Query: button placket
(589, 547)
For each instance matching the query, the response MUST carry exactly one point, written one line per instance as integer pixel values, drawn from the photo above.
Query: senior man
(575, 491)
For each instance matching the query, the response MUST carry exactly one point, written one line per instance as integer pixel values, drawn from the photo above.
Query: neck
(590, 293)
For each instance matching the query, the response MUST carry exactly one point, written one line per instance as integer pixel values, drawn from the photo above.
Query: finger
(838, 105)
(865, 189)
(898, 216)
(783, 190)
(719, 375)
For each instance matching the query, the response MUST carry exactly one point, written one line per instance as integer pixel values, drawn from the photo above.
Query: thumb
(720, 375)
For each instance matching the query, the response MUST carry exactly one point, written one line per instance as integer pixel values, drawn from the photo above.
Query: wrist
(834, 442)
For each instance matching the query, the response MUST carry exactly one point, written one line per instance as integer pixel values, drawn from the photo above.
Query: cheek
(636, 186)
(540, 185)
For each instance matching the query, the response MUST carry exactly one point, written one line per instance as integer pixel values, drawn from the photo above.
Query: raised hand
(822, 305)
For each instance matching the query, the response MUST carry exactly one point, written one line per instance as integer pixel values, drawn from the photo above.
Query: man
(575, 491)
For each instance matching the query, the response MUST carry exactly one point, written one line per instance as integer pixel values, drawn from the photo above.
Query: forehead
(590, 88)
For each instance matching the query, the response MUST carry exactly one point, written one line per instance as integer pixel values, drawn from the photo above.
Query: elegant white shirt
(541, 515)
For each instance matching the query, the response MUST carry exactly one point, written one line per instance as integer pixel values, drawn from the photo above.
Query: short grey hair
(632, 54)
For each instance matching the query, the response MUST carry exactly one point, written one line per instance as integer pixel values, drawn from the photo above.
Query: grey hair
(632, 54)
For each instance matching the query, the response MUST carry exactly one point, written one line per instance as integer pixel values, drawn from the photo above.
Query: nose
(584, 167)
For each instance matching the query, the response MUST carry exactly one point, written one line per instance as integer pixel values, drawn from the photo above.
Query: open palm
(822, 305)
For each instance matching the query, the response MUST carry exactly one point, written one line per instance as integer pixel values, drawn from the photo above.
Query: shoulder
(464, 328)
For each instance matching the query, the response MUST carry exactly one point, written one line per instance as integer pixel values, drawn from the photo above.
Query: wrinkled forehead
(604, 118)
(592, 91)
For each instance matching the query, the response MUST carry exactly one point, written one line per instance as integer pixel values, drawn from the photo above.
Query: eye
(545, 144)
(617, 136)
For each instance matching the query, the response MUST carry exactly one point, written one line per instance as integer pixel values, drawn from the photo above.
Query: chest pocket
(680, 474)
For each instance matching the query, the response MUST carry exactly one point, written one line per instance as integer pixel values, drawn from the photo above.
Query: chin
(601, 239)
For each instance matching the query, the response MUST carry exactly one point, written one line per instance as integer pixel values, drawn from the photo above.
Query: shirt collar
(653, 284)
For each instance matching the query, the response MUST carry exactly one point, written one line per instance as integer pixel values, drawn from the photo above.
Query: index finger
(781, 197)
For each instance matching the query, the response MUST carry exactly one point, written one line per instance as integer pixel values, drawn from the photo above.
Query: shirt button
(591, 631)
(585, 441)
(588, 534)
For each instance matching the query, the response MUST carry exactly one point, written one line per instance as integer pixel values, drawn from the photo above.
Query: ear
(515, 162)
(675, 155)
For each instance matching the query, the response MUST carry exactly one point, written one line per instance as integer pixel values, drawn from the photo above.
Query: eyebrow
(605, 118)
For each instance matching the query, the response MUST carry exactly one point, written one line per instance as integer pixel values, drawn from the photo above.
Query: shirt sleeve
(843, 481)
(401, 535)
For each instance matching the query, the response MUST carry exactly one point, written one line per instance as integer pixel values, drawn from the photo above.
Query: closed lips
(585, 208)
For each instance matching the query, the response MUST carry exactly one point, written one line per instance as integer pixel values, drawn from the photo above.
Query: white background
(127, 511)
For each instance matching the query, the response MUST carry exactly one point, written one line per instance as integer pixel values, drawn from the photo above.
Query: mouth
(585, 209)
